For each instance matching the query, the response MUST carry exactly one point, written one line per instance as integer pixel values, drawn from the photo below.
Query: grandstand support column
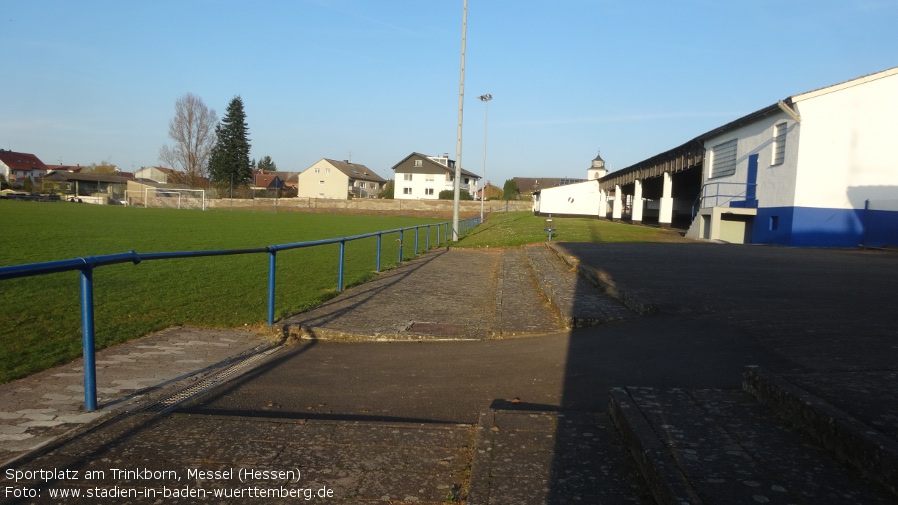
(636, 213)
(665, 214)
(603, 204)
(618, 204)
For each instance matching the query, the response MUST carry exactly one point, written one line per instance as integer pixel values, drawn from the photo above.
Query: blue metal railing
(707, 199)
(87, 265)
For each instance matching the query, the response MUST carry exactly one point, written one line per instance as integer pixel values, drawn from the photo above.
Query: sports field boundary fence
(86, 266)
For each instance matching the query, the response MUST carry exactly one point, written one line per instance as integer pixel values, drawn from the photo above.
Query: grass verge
(512, 229)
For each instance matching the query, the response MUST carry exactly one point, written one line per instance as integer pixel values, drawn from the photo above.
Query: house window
(327, 170)
(428, 177)
(317, 170)
(418, 163)
(320, 182)
(428, 191)
(406, 177)
(406, 191)
(779, 144)
(723, 159)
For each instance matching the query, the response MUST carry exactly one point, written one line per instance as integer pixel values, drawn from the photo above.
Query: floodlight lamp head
(485, 98)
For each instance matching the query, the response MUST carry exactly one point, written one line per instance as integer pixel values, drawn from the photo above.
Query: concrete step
(574, 296)
(851, 414)
(719, 446)
(550, 457)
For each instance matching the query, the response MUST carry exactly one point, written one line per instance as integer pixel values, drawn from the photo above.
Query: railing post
(400, 246)
(87, 338)
(427, 239)
(272, 263)
(416, 240)
(377, 263)
(342, 261)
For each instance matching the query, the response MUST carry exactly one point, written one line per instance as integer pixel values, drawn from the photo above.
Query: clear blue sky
(87, 81)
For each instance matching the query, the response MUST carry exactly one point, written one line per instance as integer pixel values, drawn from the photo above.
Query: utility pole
(461, 108)
(486, 115)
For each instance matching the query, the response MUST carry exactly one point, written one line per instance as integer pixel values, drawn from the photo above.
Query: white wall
(849, 147)
(580, 199)
(776, 183)
(419, 184)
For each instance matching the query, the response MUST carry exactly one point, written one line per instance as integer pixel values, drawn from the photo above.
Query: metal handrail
(86, 266)
(717, 196)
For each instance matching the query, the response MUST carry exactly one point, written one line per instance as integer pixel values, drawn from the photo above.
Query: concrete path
(36, 410)
(440, 406)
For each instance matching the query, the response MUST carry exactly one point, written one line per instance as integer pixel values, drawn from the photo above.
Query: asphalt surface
(421, 420)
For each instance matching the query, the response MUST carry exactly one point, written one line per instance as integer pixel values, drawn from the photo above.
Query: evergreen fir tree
(230, 156)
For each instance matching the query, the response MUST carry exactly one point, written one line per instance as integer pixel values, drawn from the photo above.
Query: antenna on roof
(350, 156)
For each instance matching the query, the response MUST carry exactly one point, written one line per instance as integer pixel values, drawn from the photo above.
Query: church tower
(597, 170)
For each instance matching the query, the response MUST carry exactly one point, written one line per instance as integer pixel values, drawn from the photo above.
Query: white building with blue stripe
(816, 169)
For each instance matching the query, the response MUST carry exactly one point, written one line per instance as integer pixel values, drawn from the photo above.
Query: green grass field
(40, 322)
(40, 316)
(518, 228)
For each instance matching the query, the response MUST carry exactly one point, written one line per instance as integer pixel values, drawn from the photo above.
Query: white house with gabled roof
(422, 177)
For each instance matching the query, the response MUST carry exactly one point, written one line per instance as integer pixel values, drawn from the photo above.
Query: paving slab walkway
(40, 408)
(559, 449)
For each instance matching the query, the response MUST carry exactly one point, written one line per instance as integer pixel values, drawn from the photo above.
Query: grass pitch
(40, 316)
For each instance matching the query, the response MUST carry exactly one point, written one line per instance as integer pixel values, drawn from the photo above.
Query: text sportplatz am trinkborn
(121, 474)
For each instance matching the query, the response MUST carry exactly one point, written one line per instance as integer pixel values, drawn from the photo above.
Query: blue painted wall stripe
(821, 227)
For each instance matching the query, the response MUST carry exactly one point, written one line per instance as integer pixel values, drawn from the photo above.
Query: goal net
(167, 198)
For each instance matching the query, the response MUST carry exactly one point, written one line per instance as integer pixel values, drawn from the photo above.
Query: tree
(229, 161)
(510, 190)
(449, 194)
(191, 130)
(266, 165)
(103, 168)
(389, 190)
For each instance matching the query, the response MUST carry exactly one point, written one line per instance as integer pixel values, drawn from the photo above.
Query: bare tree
(193, 132)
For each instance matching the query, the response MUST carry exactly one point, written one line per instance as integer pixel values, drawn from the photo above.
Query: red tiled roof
(21, 161)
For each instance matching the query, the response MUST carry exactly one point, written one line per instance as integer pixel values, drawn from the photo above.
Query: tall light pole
(461, 108)
(486, 115)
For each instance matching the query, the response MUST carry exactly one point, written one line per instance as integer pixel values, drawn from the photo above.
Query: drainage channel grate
(208, 382)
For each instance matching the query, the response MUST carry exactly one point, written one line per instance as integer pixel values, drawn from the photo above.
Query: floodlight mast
(461, 108)
(486, 114)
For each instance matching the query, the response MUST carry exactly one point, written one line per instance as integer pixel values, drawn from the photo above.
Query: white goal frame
(176, 198)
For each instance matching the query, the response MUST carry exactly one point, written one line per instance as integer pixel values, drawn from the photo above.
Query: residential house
(333, 179)
(489, 190)
(16, 168)
(419, 176)
(160, 174)
(267, 182)
(291, 180)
